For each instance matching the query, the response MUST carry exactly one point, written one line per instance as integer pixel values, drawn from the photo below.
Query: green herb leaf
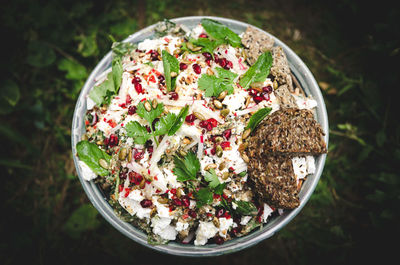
(100, 92)
(171, 64)
(187, 168)
(203, 196)
(212, 178)
(151, 115)
(257, 117)
(90, 154)
(258, 72)
(213, 85)
(179, 120)
(119, 49)
(221, 32)
(117, 71)
(219, 189)
(206, 44)
(245, 208)
(138, 132)
(164, 125)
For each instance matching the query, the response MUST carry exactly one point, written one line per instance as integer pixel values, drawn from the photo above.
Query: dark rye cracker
(256, 43)
(288, 132)
(274, 181)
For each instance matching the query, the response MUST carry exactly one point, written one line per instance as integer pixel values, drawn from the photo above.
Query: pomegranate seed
(173, 191)
(112, 140)
(177, 202)
(146, 203)
(192, 213)
(150, 149)
(106, 141)
(252, 92)
(213, 151)
(128, 100)
(265, 95)
(197, 68)
(258, 99)
(161, 79)
(136, 79)
(222, 62)
(209, 127)
(219, 240)
(154, 55)
(219, 213)
(173, 95)
(267, 89)
(123, 175)
(213, 122)
(135, 178)
(207, 55)
(203, 35)
(183, 66)
(132, 110)
(186, 201)
(203, 124)
(228, 65)
(190, 118)
(208, 62)
(138, 155)
(227, 134)
(225, 144)
(236, 230)
(138, 88)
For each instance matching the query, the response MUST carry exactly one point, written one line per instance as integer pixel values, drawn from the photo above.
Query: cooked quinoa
(167, 128)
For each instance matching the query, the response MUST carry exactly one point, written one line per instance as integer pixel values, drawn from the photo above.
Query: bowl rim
(302, 73)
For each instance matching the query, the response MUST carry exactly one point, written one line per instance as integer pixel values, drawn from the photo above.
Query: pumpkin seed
(99, 142)
(222, 166)
(224, 112)
(216, 222)
(179, 192)
(219, 151)
(209, 71)
(225, 175)
(186, 140)
(190, 45)
(256, 84)
(210, 166)
(173, 74)
(122, 154)
(242, 147)
(103, 163)
(84, 137)
(153, 212)
(198, 48)
(130, 155)
(246, 133)
(199, 115)
(217, 104)
(222, 95)
(154, 103)
(219, 139)
(245, 158)
(183, 152)
(142, 183)
(275, 84)
(162, 200)
(147, 106)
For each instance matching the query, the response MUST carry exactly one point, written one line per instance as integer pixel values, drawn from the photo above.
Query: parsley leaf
(219, 31)
(203, 196)
(213, 85)
(212, 178)
(179, 120)
(258, 72)
(171, 64)
(138, 132)
(170, 123)
(257, 117)
(219, 189)
(187, 168)
(151, 115)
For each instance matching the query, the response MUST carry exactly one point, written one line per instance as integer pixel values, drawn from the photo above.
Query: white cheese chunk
(87, 173)
(205, 231)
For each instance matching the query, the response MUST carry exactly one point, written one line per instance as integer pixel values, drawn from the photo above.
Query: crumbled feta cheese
(245, 219)
(90, 103)
(161, 226)
(224, 225)
(299, 167)
(136, 195)
(310, 162)
(133, 207)
(235, 101)
(87, 173)
(181, 226)
(205, 231)
(267, 212)
(305, 102)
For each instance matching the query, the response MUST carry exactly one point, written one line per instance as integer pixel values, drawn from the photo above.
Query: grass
(51, 47)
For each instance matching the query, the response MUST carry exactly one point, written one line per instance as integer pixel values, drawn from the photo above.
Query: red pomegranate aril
(190, 118)
(265, 95)
(227, 134)
(267, 89)
(138, 88)
(258, 99)
(196, 68)
(161, 79)
(252, 92)
(219, 240)
(225, 144)
(203, 124)
(138, 155)
(145, 203)
(207, 55)
(229, 65)
(209, 127)
(112, 140)
(154, 55)
(173, 191)
(208, 62)
(173, 95)
(203, 35)
(222, 62)
(192, 213)
(183, 66)
(177, 202)
(213, 122)
(213, 151)
(132, 110)
(185, 201)
(219, 213)
(236, 230)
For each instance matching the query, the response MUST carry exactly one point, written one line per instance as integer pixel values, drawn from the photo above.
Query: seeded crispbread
(256, 43)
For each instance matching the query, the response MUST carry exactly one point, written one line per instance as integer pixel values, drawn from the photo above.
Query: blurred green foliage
(50, 47)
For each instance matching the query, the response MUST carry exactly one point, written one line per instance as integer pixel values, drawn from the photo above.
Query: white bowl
(309, 85)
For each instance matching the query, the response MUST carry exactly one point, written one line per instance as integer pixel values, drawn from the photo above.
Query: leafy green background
(50, 47)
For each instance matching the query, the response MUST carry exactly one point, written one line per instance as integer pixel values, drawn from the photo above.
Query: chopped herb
(151, 115)
(219, 189)
(203, 196)
(90, 154)
(138, 132)
(213, 85)
(187, 168)
(180, 119)
(245, 208)
(219, 31)
(258, 72)
(212, 178)
(171, 64)
(257, 117)
(207, 45)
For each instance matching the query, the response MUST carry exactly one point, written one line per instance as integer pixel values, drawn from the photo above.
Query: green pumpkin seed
(217, 104)
(198, 115)
(219, 151)
(103, 163)
(222, 95)
(122, 154)
(224, 112)
(147, 106)
(246, 133)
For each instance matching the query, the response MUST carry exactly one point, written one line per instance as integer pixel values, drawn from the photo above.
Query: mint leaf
(212, 178)
(90, 154)
(258, 72)
(119, 49)
(245, 208)
(117, 71)
(187, 168)
(221, 32)
(206, 44)
(179, 120)
(138, 132)
(203, 196)
(151, 115)
(171, 64)
(257, 117)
